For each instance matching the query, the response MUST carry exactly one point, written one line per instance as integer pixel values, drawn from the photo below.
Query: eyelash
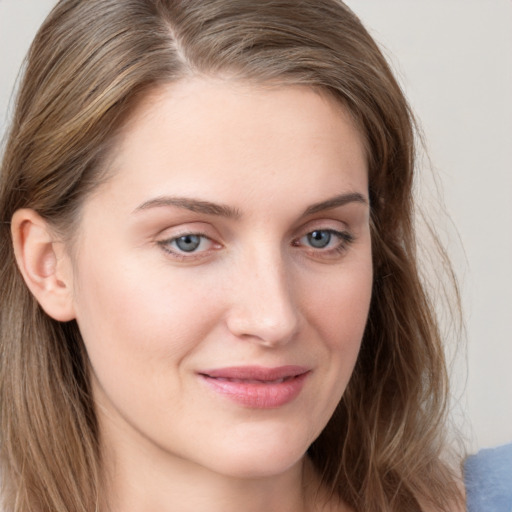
(345, 239)
(183, 255)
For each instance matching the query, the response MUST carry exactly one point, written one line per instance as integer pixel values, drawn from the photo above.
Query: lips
(257, 387)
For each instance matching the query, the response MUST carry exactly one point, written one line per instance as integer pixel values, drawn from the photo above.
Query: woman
(210, 295)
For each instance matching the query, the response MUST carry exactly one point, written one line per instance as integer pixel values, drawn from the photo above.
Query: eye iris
(188, 243)
(319, 239)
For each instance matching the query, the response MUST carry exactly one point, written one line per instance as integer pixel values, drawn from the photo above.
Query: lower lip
(258, 395)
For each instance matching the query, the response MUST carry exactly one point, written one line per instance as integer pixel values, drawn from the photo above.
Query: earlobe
(43, 263)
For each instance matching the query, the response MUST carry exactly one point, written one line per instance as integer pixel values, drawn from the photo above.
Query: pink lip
(255, 386)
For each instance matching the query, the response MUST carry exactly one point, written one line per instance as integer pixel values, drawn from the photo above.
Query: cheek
(339, 312)
(139, 313)
(140, 324)
(339, 309)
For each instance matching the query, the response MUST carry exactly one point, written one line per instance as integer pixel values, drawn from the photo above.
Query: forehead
(211, 136)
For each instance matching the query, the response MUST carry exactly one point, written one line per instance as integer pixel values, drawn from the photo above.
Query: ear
(44, 264)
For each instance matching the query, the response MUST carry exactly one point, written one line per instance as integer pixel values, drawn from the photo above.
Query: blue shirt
(488, 480)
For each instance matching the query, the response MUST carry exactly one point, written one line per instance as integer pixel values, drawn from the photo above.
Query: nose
(263, 309)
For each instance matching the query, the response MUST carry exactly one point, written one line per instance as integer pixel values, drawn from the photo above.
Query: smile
(257, 387)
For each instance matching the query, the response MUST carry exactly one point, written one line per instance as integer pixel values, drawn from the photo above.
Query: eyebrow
(336, 202)
(209, 208)
(194, 205)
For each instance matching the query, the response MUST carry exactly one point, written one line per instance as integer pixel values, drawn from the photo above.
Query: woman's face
(222, 275)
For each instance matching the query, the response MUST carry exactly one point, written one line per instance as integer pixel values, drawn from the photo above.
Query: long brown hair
(89, 65)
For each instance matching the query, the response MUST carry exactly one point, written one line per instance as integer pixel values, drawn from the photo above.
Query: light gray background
(454, 60)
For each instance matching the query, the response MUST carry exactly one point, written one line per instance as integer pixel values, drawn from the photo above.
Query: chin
(258, 467)
(257, 457)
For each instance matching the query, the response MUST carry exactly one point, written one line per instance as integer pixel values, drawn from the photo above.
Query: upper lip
(255, 372)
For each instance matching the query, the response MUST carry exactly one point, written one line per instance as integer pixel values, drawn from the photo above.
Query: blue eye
(325, 242)
(319, 239)
(188, 243)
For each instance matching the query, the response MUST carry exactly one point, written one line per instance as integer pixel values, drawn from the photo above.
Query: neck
(141, 478)
(175, 484)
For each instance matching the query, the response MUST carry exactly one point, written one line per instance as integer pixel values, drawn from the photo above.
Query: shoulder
(488, 480)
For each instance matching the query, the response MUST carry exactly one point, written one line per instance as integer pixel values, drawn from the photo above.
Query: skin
(254, 292)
